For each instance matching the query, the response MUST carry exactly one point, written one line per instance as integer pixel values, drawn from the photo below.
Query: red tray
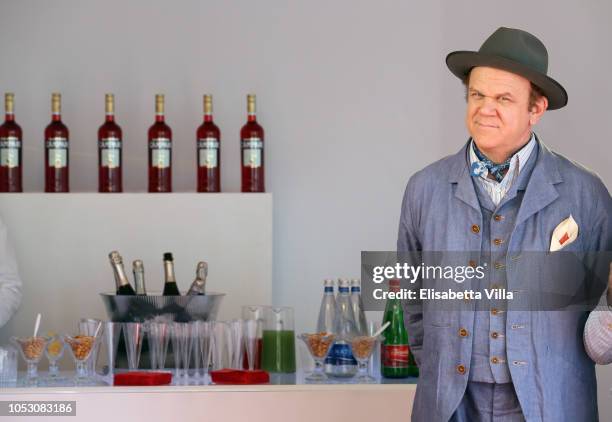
(143, 378)
(238, 376)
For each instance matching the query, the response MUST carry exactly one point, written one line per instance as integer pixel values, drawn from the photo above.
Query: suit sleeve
(408, 241)
(10, 283)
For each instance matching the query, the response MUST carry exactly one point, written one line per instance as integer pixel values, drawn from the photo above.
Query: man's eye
(504, 99)
(475, 95)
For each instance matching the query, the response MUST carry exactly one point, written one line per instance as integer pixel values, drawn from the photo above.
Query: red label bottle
(10, 150)
(208, 146)
(109, 151)
(56, 150)
(396, 359)
(160, 151)
(252, 150)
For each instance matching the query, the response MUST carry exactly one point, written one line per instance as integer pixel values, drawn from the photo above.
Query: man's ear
(538, 109)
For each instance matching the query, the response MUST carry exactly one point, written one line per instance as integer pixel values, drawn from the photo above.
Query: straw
(381, 329)
(37, 324)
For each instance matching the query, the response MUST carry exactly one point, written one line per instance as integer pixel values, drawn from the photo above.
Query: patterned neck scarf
(485, 165)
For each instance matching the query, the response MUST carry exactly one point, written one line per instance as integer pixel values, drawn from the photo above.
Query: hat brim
(461, 62)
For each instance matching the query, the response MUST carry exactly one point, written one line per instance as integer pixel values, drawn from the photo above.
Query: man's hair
(534, 95)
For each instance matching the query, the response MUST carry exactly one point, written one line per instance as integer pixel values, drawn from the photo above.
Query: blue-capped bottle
(361, 325)
(344, 363)
(327, 317)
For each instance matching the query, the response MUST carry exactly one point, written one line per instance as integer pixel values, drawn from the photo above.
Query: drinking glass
(278, 353)
(362, 347)
(254, 313)
(112, 331)
(206, 345)
(8, 366)
(133, 334)
(90, 327)
(54, 352)
(81, 347)
(32, 349)
(236, 329)
(252, 342)
(159, 335)
(318, 345)
(222, 342)
(180, 334)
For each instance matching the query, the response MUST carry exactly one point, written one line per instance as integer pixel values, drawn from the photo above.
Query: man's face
(498, 116)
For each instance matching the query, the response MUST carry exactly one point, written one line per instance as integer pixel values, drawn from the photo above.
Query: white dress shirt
(10, 283)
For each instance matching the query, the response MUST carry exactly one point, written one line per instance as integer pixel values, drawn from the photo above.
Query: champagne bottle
(198, 286)
(123, 285)
(139, 280)
(170, 286)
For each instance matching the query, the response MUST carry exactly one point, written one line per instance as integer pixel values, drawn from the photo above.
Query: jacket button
(461, 369)
(472, 263)
(498, 242)
(494, 360)
(498, 217)
(475, 228)
(463, 332)
(494, 335)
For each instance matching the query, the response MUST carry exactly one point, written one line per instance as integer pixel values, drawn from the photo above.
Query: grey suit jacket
(553, 377)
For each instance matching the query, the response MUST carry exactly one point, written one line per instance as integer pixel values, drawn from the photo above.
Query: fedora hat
(515, 51)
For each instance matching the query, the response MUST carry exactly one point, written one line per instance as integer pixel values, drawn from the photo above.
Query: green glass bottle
(396, 359)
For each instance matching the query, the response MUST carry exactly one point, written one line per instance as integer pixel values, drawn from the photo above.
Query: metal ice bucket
(173, 308)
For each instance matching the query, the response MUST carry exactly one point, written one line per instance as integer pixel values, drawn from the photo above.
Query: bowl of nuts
(32, 350)
(80, 347)
(319, 345)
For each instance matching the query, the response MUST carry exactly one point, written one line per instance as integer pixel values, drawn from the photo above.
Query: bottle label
(160, 152)
(57, 150)
(9, 151)
(252, 150)
(340, 354)
(110, 152)
(395, 355)
(208, 152)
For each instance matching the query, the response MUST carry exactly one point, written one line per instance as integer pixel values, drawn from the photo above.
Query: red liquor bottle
(109, 151)
(252, 149)
(160, 151)
(10, 150)
(56, 150)
(209, 152)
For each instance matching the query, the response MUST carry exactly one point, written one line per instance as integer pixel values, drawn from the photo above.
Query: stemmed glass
(91, 327)
(32, 349)
(133, 333)
(180, 332)
(159, 335)
(319, 345)
(362, 347)
(54, 352)
(81, 347)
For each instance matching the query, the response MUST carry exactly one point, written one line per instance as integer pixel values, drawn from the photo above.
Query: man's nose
(488, 106)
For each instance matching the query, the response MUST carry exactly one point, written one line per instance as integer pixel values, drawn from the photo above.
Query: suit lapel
(541, 190)
(460, 176)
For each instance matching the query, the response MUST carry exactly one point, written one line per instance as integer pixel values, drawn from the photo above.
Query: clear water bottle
(327, 317)
(344, 363)
(361, 325)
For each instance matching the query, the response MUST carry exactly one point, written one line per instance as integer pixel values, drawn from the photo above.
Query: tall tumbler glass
(255, 313)
(278, 340)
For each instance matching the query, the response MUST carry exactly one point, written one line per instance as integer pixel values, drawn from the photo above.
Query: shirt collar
(517, 162)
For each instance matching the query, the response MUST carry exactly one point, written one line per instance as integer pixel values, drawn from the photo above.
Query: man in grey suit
(505, 193)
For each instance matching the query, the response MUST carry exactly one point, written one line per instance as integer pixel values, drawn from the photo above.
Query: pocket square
(564, 234)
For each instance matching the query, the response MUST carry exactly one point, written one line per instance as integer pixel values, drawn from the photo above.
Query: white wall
(354, 96)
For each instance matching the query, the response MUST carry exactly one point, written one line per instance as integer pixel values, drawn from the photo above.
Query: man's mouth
(486, 125)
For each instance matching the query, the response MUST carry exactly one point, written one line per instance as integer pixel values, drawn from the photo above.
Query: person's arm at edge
(10, 282)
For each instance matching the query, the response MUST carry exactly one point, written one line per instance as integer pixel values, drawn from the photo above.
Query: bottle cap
(168, 256)
(137, 265)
